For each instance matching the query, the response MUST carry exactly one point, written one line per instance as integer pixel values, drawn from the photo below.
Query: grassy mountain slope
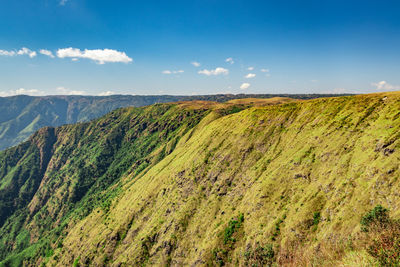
(61, 174)
(21, 116)
(231, 184)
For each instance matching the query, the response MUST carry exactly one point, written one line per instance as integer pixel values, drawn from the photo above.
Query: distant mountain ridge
(22, 115)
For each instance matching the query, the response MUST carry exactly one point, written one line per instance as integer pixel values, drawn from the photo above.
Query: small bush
(316, 220)
(384, 245)
(378, 215)
(382, 236)
(76, 262)
(221, 254)
(233, 226)
(260, 256)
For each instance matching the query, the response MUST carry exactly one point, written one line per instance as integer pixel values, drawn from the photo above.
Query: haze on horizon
(65, 47)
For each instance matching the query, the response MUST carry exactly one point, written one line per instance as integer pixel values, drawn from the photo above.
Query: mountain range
(247, 182)
(21, 116)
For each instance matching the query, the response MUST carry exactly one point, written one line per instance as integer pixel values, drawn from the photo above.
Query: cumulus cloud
(217, 71)
(250, 75)
(7, 53)
(22, 51)
(46, 53)
(65, 91)
(229, 60)
(69, 52)
(21, 91)
(26, 51)
(385, 86)
(244, 86)
(107, 93)
(195, 63)
(264, 70)
(250, 68)
(172, 71)
(100, 56)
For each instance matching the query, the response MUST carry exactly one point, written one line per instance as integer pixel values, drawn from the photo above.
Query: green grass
(164, 184)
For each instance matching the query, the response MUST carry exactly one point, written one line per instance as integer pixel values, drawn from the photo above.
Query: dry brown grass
(325, 253)
(253, 102)
(262, 101)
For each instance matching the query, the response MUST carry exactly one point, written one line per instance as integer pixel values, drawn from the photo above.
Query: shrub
(316, 220)
(76, 262)
(233, 226)
(260, 256)
(382, 236)
(378, 215)
(384, 244)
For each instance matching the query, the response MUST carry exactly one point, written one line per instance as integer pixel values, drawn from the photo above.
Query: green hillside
(21, 116)
(245, 183)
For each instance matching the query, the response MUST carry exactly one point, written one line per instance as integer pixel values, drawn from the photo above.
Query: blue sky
(152, 47)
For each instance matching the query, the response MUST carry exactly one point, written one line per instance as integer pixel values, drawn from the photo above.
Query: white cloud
(100, 56)
(63, 2)
(7, 53)
(244, 86)
(264, 70)
(26, 51)
(250, 75)
(22, 51)
(65, 91)
(229, 60)
(69, 52)
(250, 68)
(384, 86)
(172, 71)
(195, 63)
(217, 71)
(314, 81)
(46, 53)
(107, 93)
(21, 91)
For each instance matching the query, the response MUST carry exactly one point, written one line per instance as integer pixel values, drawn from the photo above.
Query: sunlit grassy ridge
(230, 184)
(22, 115)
